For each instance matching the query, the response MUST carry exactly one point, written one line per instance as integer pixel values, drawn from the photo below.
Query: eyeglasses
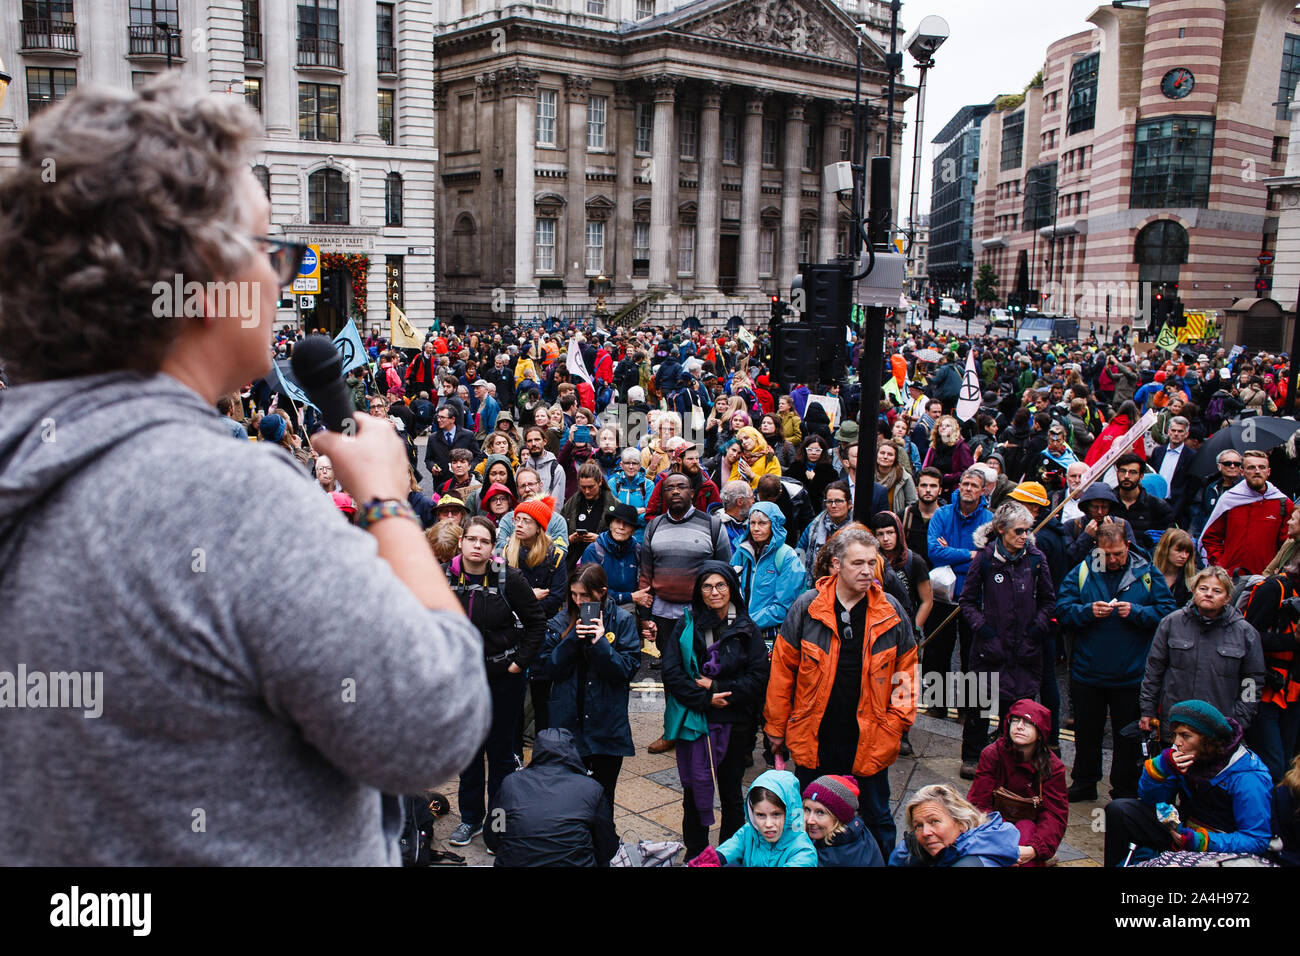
(1230, 464)
(285, 256)
(715, 588)
(837, 501)
(482, 541)
(1019, 532)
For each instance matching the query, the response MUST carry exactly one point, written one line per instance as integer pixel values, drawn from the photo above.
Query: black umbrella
(1260, 432)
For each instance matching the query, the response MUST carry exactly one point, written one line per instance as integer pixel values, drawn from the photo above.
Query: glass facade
(1013, 141)
(1290, 74)
(1082, 113)
(1172, 157)
(1040, 196)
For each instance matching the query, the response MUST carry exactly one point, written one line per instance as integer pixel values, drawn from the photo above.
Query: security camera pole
(925, 39)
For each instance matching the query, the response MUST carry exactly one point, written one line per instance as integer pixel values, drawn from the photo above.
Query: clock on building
(1177, 83)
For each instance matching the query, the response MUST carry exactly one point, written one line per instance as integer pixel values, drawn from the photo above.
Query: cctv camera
(926, 38)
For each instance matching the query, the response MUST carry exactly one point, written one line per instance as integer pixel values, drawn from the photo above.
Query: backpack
(416, 839)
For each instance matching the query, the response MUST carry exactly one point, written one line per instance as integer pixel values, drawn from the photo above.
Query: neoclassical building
(679, 154)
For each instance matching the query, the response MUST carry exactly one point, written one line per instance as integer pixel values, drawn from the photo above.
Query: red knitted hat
(838, 794)
(539, 510)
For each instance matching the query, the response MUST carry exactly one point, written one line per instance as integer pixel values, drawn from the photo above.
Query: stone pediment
(811, 27)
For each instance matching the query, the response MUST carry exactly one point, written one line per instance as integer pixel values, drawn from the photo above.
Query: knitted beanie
(539, 510)
(272, 428)
(838, 794)
(1203, 718)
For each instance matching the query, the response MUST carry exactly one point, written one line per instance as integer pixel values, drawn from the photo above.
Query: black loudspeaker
(827, 298)
(795, 354)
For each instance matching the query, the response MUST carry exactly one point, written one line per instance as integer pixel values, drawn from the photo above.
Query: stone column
(576, 89)
(280, 92)
(520, 84)
(361, 82)
(710, 194)
(488, 192)
(829, 214)
(663, 185)
(750, 184)
(791, 187)
(618, 257)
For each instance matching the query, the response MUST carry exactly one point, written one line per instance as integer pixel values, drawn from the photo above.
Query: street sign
(1263, 284)
(308, 277)
(1266, 259)
(306, 302)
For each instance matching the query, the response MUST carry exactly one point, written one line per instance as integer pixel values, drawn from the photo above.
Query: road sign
(308, 277)
(1263, 284)
(306, 302)
(1265, 258)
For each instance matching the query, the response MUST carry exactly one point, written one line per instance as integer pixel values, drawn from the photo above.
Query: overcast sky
(994, 48)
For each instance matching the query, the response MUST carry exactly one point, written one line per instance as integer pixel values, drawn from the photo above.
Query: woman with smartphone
(591, 653)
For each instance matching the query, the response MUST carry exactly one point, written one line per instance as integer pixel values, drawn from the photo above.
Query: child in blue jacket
(774, 834)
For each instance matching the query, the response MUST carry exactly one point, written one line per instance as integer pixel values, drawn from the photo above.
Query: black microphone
(319, 369)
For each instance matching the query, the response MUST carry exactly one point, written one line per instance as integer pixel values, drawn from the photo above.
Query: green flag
(1166, 339)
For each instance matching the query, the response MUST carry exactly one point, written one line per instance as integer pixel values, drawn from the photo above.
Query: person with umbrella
(1249, 521)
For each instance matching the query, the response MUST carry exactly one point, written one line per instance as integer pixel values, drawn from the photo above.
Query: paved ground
(648, 801)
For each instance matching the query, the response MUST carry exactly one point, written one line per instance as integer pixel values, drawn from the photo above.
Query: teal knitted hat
(1201, 717)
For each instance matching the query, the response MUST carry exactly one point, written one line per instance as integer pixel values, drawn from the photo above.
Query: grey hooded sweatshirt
(253, 676)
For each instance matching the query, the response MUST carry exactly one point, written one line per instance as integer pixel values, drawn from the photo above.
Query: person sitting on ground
(1222, 792)
(942, 829)
(553, 813)
(1024, 781)
(774, 834)
(830, 815)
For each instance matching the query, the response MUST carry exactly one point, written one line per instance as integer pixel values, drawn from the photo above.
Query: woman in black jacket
(589, 667)
(723, 690)
(500, 603)
(812, 466)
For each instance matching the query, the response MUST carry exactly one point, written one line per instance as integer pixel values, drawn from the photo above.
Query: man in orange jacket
(843, 682)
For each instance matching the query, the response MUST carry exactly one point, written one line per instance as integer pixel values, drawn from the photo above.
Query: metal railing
(60, 35)
(252, 45)
(387, 59)
(148, 40)
(315, 52)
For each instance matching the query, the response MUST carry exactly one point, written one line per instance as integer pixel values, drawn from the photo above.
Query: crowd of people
(564, 509)
(702, 514)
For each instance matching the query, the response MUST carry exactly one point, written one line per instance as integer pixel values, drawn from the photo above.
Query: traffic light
(826, 307)
(1014, 306)
(1157, 310)
(1177, 317)
(778, 308)
(794, 352)
(933, 303)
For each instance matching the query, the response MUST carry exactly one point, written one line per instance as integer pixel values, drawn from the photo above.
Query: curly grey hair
(142, 190)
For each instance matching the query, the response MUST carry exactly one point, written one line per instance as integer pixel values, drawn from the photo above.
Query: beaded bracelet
(379, 509)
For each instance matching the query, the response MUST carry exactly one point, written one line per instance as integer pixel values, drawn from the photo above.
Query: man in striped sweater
(676, 544)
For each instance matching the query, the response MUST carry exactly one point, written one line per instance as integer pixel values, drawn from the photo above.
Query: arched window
(263, 176)
(327, 193)
(1161, 243)
(464, 236)
(393, 200)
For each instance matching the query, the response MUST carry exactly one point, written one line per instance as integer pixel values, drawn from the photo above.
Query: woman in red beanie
(1025, 782)
(535, 555)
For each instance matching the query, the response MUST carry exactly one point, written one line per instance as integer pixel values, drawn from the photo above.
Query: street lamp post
(922, 44)
(166, 29)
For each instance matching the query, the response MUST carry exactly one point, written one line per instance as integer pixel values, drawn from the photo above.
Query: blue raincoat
(747, 846)
(772, 580)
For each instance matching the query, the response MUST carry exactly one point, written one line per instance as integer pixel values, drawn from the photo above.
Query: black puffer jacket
(742, 657)
(554, 814)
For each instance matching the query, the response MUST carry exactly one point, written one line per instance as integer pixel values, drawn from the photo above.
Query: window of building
(645, 127)
(263, 177)
(145, 37)
(47, 86)
(597, 109)
(767, 251)
(1082, 114)
(1290, 74)
(318, 112)
(596, 7)
(253, 92)
(393, 200)
(809, 147)
(688, 132)
(252, 29)
(686, 250)
(386, 48)
(1040, 196)
(730, 145)
(546, 117)
(545, 243)
(1171, 162)
(595, 246)
(1013, 141)
(842, 241)
(387, 128)
(805, 244)
(769, 142)
(645, 9)
(640, 248)
(318, 34)
(327, 194)
(140, 77)
(846, 144)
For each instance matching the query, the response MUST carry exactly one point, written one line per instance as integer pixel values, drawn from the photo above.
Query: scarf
(1236, 496)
